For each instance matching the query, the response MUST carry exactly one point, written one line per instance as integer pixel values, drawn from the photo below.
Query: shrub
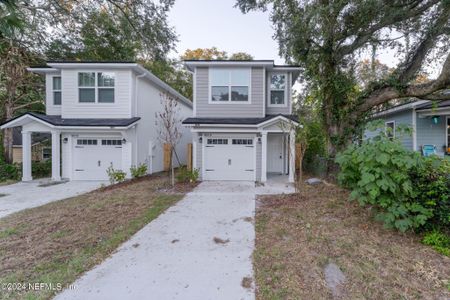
(408, 190)
(9, 171)
(41, 169)
(139, 171)
(115, 175)
(431, 182)
(185, 175)
(438, 241)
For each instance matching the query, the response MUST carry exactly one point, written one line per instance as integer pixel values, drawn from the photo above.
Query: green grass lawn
(57, 242)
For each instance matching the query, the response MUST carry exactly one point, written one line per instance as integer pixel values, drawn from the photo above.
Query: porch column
(56, 156)
(194, 150)
(263, 156)
(292, 156)
(26, 156)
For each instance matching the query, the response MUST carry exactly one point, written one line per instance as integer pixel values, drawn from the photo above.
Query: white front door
(229, 158)
(275, 156)
(93, 156)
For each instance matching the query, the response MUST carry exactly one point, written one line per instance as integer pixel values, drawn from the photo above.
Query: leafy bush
(41, 169)
(439, 241)
(185, 175)
(380, 173)
(431, 182)
(9, 171)
(138, 171)
(115, 175)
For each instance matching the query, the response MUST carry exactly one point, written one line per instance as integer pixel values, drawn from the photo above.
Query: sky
(216, 23)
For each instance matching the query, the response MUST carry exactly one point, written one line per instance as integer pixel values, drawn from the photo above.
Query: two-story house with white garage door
(242, 124)
(100, 114)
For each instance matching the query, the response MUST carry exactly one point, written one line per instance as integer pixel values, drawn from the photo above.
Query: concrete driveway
(200, 248)
(25, 195)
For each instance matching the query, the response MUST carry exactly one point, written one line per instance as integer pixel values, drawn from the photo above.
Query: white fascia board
(191, 64)
(221, 125)
(43, 70)
(75, 65)
(278, 118)
(231, 130)
(18, 122)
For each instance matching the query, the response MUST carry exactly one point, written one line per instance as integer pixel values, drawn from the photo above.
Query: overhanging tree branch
(423, 90)
(392, 18)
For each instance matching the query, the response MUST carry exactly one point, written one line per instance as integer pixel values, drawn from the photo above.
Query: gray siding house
(430, 123)
(242, 124)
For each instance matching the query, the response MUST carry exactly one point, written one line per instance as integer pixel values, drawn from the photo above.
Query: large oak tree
(32, 31)
(327, 38)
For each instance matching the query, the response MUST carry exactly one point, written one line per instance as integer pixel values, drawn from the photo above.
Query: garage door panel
(229, 161)
(93, 156)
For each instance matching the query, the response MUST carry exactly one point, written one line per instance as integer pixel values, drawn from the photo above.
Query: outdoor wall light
(65, 140)
(259, 140)
(124, 141)
(435, 119)
(200, 140)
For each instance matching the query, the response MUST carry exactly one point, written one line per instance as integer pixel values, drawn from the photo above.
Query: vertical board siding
(206, 109)
(431, 134)
(71, 108)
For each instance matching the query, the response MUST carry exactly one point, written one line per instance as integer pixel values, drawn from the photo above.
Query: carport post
(26, 156)
(56, 156)
(263, 156)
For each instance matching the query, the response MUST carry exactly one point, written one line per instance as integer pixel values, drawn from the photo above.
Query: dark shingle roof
(58, 121)
(431, 104)
(236, 121)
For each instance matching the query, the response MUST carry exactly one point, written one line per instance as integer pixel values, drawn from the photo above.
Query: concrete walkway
(23, 195)
(176, 256)
(199, 249)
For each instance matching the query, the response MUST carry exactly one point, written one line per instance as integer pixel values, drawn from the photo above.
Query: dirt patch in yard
(298, 236)
(59, 241)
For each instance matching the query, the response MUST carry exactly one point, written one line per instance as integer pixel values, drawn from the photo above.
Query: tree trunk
(8, 136)
(7, 145)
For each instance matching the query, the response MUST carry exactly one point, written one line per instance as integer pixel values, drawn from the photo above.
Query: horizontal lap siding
(431, 134)
(205, 109)
(279, 110)
(71, 108)
(400, 118)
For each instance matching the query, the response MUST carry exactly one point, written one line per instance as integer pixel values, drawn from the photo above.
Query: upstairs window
(96, 87)
(278, 89)
(56, 86)
(229, 85)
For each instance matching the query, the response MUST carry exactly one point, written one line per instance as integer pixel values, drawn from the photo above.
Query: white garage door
(92, 156)
(229, 159)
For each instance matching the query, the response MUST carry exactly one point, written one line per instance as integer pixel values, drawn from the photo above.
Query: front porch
(433, 129)
(244, 150)
(81, 149)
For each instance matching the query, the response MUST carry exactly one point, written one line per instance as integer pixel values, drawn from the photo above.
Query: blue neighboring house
(430, 123)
